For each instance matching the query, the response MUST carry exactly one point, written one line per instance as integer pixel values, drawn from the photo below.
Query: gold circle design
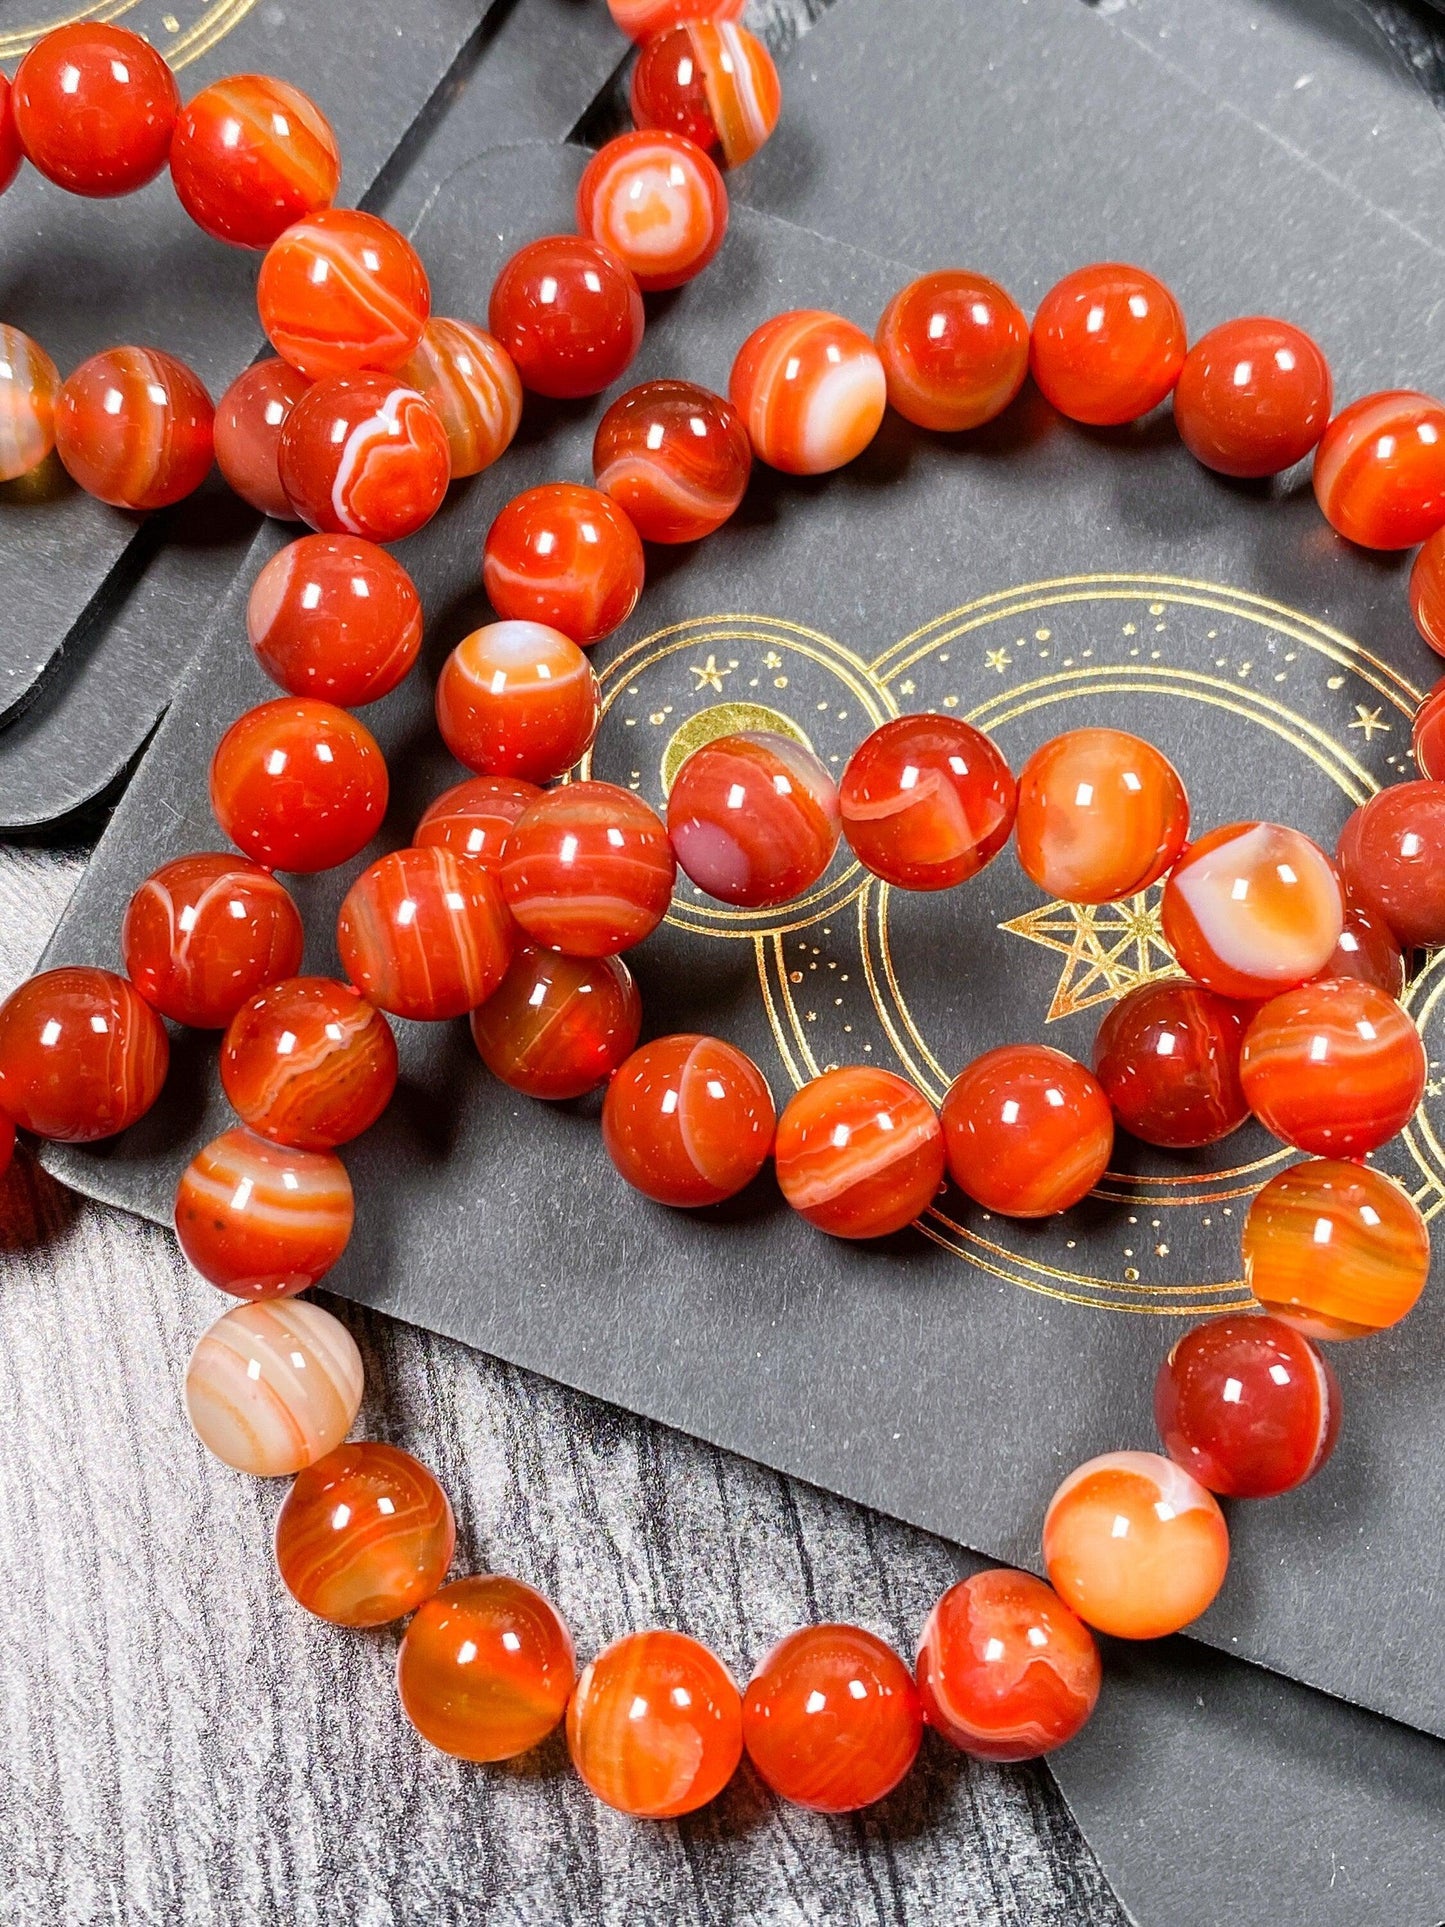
(178, 42)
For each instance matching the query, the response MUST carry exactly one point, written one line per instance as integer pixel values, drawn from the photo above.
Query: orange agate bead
(1392, 857)
(309, 1063)
(955, 349)
(832, 1719)
(299, 785)
(859, 1152)
(1335, 1068)
(1252, 909)
(29, 386)
(1336, 1250)
(1427, 735)
(364, 1535)
(261, 1220)
(95, 107)
(203, 933)
(425, 934)
(1379, 472)
(365, 455)
(135, 428)
(82, 1054)
(342, 291)
(1427, 591)
(486, 1668)
(1028, 1131)
(556, 1027)
(475, 818)
(688, 1120)
(1167, 1057)
(472, 385)
(711, 81)
(1101, 815)
(658, 203)
(655, 1726)
(517, 699)
(1253, 397)
(674, 457)
(247, 431)
(926, 801)
(250, 155)
(1108, 344)
(588, 869)
(570, 315)
(1368, 949)
(811, 389)
(335, 616)
(564, 556)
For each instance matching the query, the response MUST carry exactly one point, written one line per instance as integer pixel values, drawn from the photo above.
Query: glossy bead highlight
(570, 315)
(1379, 472)
(251, 155)
(82, 1054)
(261, 1220)
(134, 427)
(1337, 1250)
(655, 1725)
(364, 455)
(274, 1386)
(859, 1152)
(926, 802)
(832, 1719)
(365, 1535)
(658, 203)
(556, 1027)
(485, 1669)
(955, 350)
(517, 699)
(688, 1120)
(1028, 1131)
(204, 933)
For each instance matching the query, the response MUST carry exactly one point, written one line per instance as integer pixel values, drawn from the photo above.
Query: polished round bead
(1334, 1068)
(565, 556)
(711, 81)
(1427, 735)
(674, 457)
(335, 616)
(82, 1054)
(272, 1387)
(570, 315)
(658, 203)
(1427, 591)
(859, 1152)
(1028, 1131)
(517, 699)
(811, 390)
(754, 818)
(95, 108)
(1379, 472)
(425, 934)
(1005, 1670)
(1108, 344)
(1392, 856)
(1134, 1545)
(641, 19)
(655, 1726)
(262, 1220)
(475, 818)
(29, 390)
(299, 785)
(251, 155)
(204, 933)
(134, 427)
(341, 291)
(688, 1120)
(486, 1668)
(1167, 1058)
(309, 1063)
(1368, 949)
(955, 350)
(1335, 1249)
(11, 155)
(588, 869)
(1101, 815)
(364, 455)
(556, 1027)
(247, 430)
(1252, 909)
(926, 802)
(469, 379)
(832, 1719)
(1248, 1406)
(365, 1535)
(1253, 397)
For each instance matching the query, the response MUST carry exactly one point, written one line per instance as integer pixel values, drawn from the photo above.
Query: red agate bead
(1379, 472)
(95, 108)
(955, 349)
(688, 1120)
(1101, 815)
(832, 1719)
(309, 1063)
(811, 390)
(565, 556)
(570, 315)
(1005, 1670)
(1333, 1068)
(1427, 591)
(1028, 1131)
(335, 616)
(365, 1535)
(641, 19)
(249, 419)
(475, 818)
(1167, 1058)
(1427, 736)
(711, 81)
(134, 427)
(926, 802)
(299, 785)
(203, 933)
(1252, 909)
(424, 934)
(364, 455)
(1336, 1249)
(1367, 949)
(469, 379)
(674, 457)
(82, 1054)
(263, 1220)
(1248, 1406)
(859, 1152)
(486, 1668)
(252, 154)
(341, 291)
(1108, 344)
(659, 204)
(556, 1026)
(29, 390)
(517, 699)
(1253, 397)
(588, 869)
(754, 818)
(11, 155)
(655, 1725)
(1392, 855)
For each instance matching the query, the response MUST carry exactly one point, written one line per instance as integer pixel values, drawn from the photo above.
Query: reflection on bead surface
(1392, 855)
(517, 699)
(425, 934)
(674, 457)
(557, 1027)
(363, 455)
(655, 1725)
(1427, 591)
(340, 291)
(570, 315)
(1252, 909)
(1005, 1670)
(1248, 1406)
(859, 1152)
(82, 1054)
(1379, 472)
(29, 386)
(811, 389)
(364, 1536)
(1427, 736)
(335, 616)
(468, 377)
(1167, 1057)
(1135, 1545)
(272, 1387)
(134, 427)
(1334, 1068)
(299, 785)
(261, 1220)
(753, 818)
(1336, 1250)
(588, 869)
(688, 1120)
(955, 350)
(1108, 344)
(711, 81)
(1028, 1131)
(251, 155)
(1101, 815)
(641, 19)
(832, 1719)
(486, 1668)
(1253, 397)
(249, 419)
(1367, 949)
(565, 556)
(11, 155)
(475, 818)
(95, 108)
(309, 1063)
(926, 802)
(658, 202)
(203, 933)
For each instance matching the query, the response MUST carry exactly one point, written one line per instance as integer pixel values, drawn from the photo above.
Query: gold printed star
(907, 687)
(1369, 720)
(998, 659)
(1109, 948)
(772, 660)
(709, 676)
